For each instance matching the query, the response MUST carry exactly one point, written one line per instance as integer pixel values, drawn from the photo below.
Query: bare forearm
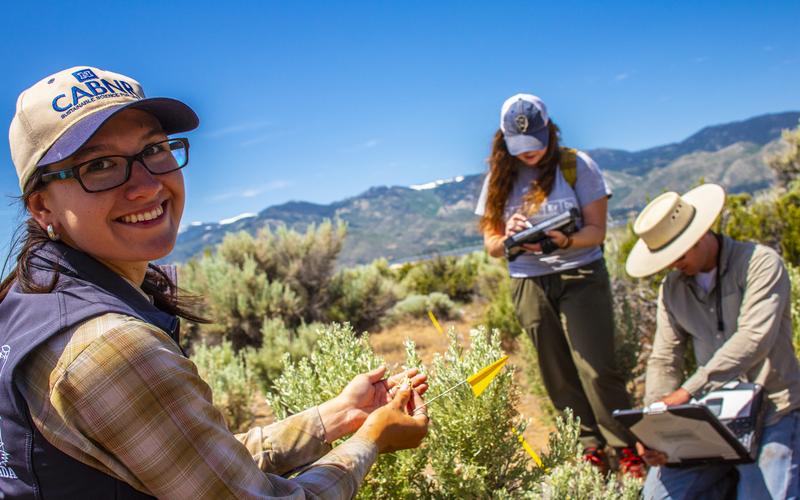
(494, 244)
(588, 236)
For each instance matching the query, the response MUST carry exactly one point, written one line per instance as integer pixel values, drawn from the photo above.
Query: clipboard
(701, 432)
(689, 434)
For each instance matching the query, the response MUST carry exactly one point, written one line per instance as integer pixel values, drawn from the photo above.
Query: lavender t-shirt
(589, 186)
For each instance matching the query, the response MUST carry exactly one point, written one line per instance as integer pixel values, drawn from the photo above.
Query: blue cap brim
(524, 143)
(173, 115)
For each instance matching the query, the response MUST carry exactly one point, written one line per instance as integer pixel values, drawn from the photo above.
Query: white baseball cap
(57, 115)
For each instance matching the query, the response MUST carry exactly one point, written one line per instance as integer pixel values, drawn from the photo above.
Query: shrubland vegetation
(288, 322)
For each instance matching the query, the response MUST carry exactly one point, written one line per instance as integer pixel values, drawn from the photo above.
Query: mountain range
(399, 223)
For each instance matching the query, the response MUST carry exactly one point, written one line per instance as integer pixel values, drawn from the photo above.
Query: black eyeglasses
(108, 172)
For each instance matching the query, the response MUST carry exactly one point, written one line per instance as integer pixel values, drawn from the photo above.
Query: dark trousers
(570, 319)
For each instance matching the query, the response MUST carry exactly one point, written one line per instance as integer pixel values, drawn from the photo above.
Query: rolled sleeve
(665, 365)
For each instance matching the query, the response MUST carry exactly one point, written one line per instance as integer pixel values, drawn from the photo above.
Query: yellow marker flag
(435, 322)
(481, 380)
(528, 448)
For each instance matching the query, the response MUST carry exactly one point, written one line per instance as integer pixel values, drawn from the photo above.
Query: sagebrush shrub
(232, 384)
(282, 274)
(470, 452)
(450, 275)
(417, 306)
(794, 278)
(500, 314)
(362, 295)
(238, 296)
(266, 362)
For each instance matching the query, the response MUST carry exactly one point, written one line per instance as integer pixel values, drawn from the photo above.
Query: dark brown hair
(503, 171)
(29, 236)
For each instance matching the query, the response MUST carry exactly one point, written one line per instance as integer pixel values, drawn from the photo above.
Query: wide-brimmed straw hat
(670, 225)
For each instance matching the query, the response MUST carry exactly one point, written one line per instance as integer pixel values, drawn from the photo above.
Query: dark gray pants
(570, 319)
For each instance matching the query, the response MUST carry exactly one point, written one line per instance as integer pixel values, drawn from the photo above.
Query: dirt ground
(388, 344)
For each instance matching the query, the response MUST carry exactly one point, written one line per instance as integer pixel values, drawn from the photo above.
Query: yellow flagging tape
(527, 447)
(435, 322)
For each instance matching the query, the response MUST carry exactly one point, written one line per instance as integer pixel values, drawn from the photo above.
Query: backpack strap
(569, 165)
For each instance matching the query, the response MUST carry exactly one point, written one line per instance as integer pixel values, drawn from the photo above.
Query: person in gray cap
(561, 289)
(730, 299)
(98, 398)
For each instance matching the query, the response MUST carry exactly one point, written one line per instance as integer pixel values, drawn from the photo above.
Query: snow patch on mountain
(436, 183)
(246, 215)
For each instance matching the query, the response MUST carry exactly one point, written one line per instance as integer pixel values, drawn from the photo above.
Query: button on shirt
(116, 393)
(756, 344)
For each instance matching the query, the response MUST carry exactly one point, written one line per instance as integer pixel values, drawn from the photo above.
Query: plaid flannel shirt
(117, 394)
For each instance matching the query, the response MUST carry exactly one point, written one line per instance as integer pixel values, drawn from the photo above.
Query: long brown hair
(30, 236)
(503, 171)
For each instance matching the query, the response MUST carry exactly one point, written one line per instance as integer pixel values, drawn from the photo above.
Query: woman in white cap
(560, 286)
(98, 399)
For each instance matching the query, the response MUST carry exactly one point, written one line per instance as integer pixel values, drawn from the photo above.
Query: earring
(52, 234)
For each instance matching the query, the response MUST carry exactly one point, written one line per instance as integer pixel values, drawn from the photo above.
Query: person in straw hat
(98, 398)
(731, 300)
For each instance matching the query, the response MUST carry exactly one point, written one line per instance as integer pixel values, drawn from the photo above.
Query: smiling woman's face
(125, 227)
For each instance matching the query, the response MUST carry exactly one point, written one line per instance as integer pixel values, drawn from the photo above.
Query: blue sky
(319, 101)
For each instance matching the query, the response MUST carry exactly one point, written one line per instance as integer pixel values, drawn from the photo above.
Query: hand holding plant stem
(367, 392)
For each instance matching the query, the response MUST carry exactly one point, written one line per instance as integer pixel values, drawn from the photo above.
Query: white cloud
(361, 146)
(622, 76)
(258, 139)
(237, 128)
(250, 192)
(700, 59)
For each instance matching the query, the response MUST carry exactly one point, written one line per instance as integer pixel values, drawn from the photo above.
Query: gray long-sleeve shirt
(756, 344)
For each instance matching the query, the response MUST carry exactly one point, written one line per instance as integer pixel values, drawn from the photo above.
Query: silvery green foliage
(362, 295)
(472, 449)
(794, 277)
(338, 356)
(231, 383)
(283, 274)
(581, 480)
(238, 296)
(266, 362)
(417, 306)
(453, 276)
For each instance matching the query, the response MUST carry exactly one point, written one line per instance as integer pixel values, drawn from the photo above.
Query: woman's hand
(363, 395)
(394, 426)
(515, 224)
(653, 458)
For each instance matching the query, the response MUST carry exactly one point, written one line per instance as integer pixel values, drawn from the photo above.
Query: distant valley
(402, 222)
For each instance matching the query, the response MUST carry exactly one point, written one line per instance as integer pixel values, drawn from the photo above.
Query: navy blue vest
(30, 467)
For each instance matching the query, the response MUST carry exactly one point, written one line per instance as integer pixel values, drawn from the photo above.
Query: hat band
(676, 236)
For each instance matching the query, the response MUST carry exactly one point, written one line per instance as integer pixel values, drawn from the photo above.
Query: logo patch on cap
(84, 74)
(521, 121)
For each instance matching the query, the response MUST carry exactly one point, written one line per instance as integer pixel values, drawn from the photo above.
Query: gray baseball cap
(524, 122)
